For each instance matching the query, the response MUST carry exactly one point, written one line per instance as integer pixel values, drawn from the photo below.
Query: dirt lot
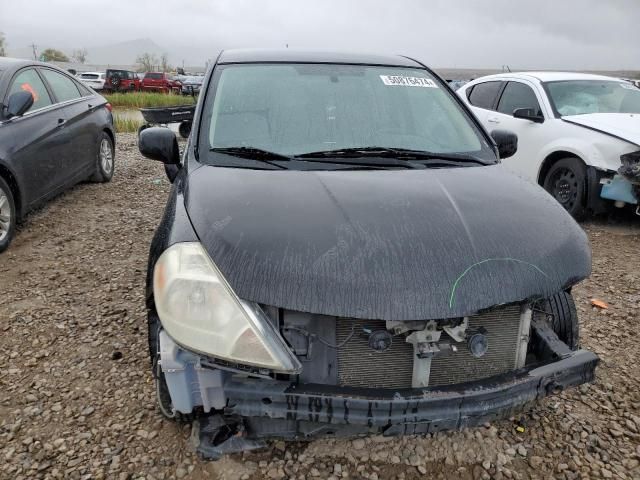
(76, 393)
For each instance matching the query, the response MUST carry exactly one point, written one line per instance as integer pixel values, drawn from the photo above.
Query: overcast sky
(571, 34)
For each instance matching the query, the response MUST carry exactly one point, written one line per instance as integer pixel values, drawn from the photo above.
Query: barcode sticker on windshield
(399, 80)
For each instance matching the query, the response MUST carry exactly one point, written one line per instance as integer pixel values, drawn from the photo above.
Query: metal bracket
(425, 346)
(459, 333)
(550, 345)
(523, 336)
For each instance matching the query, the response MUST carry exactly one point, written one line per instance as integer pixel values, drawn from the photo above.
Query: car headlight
(199, 310)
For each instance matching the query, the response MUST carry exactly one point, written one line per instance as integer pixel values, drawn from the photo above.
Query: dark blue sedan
(54, 133)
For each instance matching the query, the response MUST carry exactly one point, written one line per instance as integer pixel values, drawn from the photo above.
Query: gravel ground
(77, 398)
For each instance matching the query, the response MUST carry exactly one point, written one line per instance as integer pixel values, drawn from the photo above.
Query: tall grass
(126, 125)
(147, 99)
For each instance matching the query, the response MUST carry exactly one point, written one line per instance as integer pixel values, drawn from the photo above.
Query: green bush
(146, 100)
(126, 125)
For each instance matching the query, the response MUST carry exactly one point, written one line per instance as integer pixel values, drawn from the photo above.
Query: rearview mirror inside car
(158, 143)
(506, 141)
(528, 114)
(18, 104)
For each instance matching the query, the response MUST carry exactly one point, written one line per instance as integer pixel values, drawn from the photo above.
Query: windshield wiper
(387, 152)
(253, 153)
(269, 157)
(384, 162)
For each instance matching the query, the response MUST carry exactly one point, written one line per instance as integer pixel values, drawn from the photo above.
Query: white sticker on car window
(401, 80)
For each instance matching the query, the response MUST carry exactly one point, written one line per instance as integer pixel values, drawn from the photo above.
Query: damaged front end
(624, 187)
(372, 376)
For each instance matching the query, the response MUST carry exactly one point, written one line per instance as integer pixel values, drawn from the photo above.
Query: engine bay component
(380, 340)
(478, 342)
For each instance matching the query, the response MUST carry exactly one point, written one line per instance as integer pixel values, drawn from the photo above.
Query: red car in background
(161, 82)
(121, 81)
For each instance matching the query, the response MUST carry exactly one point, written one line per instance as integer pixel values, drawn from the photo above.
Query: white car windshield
(297, 109)
(581, 97)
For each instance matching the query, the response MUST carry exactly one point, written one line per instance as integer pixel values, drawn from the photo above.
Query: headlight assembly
(200, 311)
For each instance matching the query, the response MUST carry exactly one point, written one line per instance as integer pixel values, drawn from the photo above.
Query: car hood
(385, 244)
(625, 126)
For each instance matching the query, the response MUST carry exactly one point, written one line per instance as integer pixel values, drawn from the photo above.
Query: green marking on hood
(455, 284)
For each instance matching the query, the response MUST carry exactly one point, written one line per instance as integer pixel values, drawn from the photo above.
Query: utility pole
(34, 47)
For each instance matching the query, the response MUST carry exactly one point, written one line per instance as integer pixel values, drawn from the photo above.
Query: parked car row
(128, 81)
(54, 133)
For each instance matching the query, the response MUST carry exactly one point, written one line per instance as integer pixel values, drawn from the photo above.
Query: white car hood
(625, 126)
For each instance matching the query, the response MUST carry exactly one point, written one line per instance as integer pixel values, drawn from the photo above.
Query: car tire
(163, 397)
(184, 129)
(105, 159)
(561, 313)
(142, 127)
(566, 182)
(8, 217)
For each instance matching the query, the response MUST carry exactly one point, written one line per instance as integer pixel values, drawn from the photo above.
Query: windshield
(581, 97)
(297, 109)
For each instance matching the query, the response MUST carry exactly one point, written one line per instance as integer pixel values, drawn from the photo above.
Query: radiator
(360, 366)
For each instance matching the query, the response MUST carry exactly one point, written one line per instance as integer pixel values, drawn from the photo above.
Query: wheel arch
(12, 181)
(551, 159)
(112, 135)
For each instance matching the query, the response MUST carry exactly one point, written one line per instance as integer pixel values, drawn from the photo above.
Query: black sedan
(343, 253)
(54, 133)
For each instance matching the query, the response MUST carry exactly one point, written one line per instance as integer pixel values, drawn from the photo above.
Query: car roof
(90, 73)
(310, 56)
(6, 62)
(546, 76)
(10, 65)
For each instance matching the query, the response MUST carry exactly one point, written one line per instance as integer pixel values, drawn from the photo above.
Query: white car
(578, 134)
(94, 80)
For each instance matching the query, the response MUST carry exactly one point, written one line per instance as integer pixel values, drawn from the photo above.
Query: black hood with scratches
(385, 244)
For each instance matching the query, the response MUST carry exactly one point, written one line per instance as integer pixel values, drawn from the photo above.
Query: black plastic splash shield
(403, 412)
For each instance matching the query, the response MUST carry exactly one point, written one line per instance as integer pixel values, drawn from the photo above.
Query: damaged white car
(578, 134)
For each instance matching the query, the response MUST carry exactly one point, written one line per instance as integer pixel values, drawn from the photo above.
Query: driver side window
(29, 81)
(518, 95)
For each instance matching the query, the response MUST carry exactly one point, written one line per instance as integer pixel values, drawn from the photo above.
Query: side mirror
(528, 114)
(18, 104)
(160, 144)
(506, 141)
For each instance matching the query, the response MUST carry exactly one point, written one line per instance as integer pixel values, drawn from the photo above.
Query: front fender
(595, 149)
(175, 227)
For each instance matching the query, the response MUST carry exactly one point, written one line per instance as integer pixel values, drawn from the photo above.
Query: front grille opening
(360, 366)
